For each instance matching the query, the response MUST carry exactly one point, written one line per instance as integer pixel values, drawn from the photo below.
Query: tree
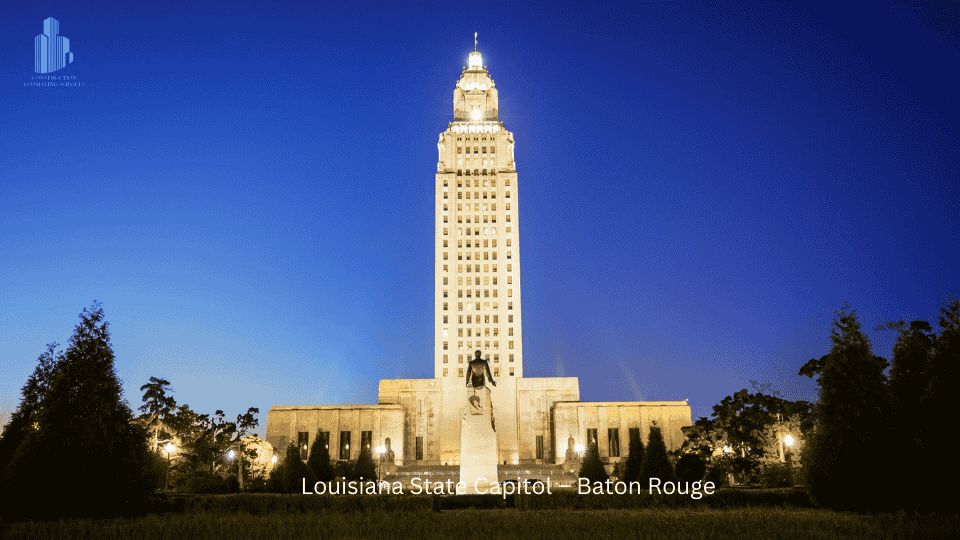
(86, 428)
(691, 467)
(634, 463)
(24, 419)
(941, 377)
(655, 462)
(843, 461)
(364, 468)
(592, 468)
(295, 472)
(319, 460)
(245, 424)
(157, 405)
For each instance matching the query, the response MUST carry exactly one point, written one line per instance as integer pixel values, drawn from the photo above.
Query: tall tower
(477, 302)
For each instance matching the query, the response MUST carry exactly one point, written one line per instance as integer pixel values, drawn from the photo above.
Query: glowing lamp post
(169, 448)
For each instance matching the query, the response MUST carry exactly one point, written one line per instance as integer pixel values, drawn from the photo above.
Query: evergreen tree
(635, 459)
(592, 468)
(364, 468)
(24, 419)
(655, 462)
(843, 461)
(942, 377)
(912, 356)
(86, 428)
(319, 460)
(295, 471)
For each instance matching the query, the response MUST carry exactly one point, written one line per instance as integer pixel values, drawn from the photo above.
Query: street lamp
(169, 448)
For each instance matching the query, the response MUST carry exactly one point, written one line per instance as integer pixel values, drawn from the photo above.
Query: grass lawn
(685, 524)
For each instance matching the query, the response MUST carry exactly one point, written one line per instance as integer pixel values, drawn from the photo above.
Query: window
(444, 319)
(509, 280)
(510, 331)
(366, 438)
(494, 291)
(444, 345)
(445, 231)
(634, 432)
(496, 359)
(509, 305)
(510, 345)
(508, 204)
(345, 445)
(613, 442)
(496, 372)
(459, 306)
(509, 293)
(325, 439)
(445, 306)
(459, 345)
(592, 436)
(495, 319)
(509, 267)
(459, 372)
(419, 448)
(459, 358)
(444, 293)
(511, 372)
(511, 357)
(444, 281)
(444, 255)
(444, 372)
(444, 359)
(508, 218)
(539, 446)
(303, 443)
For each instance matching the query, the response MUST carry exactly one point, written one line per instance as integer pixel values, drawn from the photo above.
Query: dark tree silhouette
(592, 468)
(295, 471)
(844, 457)
(655, 462)
(635, 459)
(87, 429)
(319, 460)
(364, 468)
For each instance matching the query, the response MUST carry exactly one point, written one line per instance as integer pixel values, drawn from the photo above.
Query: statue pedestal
(478, 452)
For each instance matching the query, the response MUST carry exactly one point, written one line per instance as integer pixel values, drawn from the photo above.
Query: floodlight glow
(170, 448)
(230, 454)
(788, 440)
(727, 449)
(476, 60)
(476, 114)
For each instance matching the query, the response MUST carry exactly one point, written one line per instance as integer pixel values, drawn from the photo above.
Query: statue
(571, 453)
(478, 371)
(510, 145)
(388, 463)
(440, 147)
(388, 456)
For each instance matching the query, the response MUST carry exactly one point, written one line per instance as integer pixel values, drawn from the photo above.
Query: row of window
(476, 306)
(303, 442)
(486, 292)
(487, 255)
(486, 319)
(485, 333)
(486, 243)
(492, 219)
(486, 280)
(492, 182)
(486, 345)
(476, 195)
(462, 358)
(476, 207)
(476, 149)
(366, 437)
(476, 231)
(496, 372)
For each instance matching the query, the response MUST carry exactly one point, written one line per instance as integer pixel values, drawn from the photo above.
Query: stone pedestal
(478, 451)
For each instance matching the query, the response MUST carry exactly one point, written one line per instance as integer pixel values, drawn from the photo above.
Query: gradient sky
(249, 189)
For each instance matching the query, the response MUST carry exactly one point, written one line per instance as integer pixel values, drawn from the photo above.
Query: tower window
(444, 372)
(511, 372)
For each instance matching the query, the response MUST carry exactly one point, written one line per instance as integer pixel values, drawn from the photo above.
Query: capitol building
(478, 305)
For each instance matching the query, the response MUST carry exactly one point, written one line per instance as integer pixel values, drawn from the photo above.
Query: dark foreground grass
(679, 524)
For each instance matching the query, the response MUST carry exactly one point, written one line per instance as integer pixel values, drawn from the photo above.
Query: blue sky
(248, 189)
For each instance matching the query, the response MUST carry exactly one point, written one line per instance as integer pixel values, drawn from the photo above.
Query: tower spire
(474, 42)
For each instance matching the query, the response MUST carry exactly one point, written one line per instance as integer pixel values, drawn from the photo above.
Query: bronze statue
(478, 371)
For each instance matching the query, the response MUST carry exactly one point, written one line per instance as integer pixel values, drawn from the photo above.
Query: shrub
(295, 471)
(655, 463)
(691, 467)
(592, 468)
(777, 475)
